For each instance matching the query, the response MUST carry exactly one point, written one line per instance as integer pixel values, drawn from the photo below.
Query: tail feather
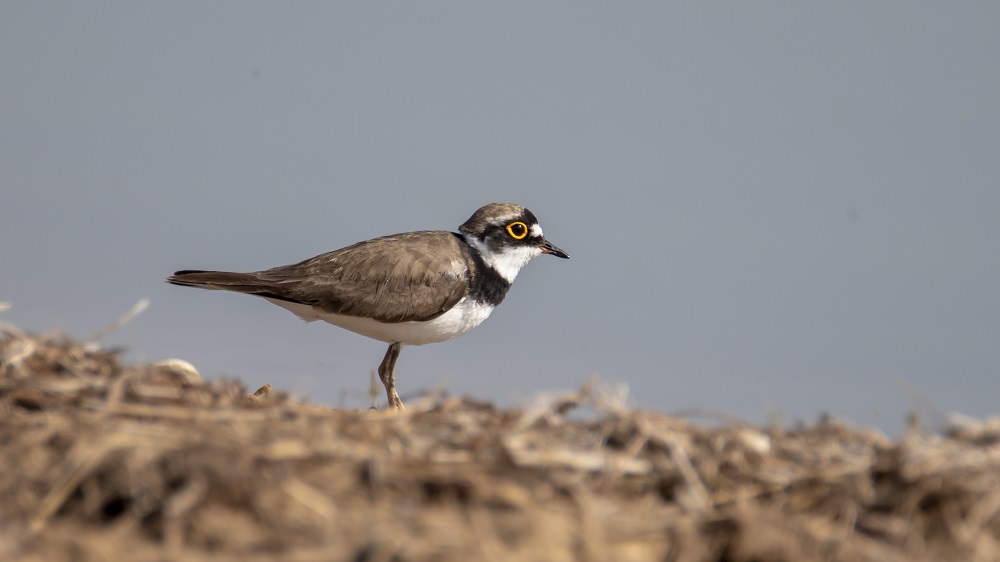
(221, 280)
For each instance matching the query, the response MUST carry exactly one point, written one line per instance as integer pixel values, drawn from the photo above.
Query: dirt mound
(104, 461)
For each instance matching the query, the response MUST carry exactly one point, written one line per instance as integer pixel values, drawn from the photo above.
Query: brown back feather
(395, 278)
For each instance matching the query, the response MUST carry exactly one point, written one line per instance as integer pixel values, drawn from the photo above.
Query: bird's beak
(550, 248)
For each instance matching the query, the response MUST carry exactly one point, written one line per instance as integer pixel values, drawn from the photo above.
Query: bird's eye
(518, 230)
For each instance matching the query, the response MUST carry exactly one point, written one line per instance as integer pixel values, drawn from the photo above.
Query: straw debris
(105, 461)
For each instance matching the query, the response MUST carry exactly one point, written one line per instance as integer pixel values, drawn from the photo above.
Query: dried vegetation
(105, 461)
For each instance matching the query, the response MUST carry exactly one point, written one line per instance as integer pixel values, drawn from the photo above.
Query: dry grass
(102, 461)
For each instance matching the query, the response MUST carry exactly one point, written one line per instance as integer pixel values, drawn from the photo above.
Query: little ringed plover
(404, 289)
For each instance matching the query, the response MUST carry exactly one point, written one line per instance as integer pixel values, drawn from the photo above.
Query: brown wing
(398, 278)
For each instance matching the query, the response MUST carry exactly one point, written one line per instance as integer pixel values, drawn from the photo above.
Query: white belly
(463, 317)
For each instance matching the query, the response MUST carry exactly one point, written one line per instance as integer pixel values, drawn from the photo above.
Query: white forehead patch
(536, 231)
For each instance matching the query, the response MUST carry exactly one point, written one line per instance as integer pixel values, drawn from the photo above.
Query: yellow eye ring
(518, 230)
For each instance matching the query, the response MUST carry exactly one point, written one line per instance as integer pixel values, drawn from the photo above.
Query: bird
(412, 288)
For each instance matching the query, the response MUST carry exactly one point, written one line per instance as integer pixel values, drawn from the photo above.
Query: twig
(121, 321)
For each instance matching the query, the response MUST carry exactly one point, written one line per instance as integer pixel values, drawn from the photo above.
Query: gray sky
(771, 207)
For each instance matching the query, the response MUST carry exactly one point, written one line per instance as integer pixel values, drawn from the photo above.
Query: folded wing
(398, 278)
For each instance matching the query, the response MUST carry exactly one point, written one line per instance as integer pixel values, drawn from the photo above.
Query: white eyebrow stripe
(536, 230)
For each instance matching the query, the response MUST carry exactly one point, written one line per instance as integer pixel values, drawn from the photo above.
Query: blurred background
(774, 209)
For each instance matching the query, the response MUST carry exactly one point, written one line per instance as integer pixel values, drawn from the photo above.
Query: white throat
(507, 262)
